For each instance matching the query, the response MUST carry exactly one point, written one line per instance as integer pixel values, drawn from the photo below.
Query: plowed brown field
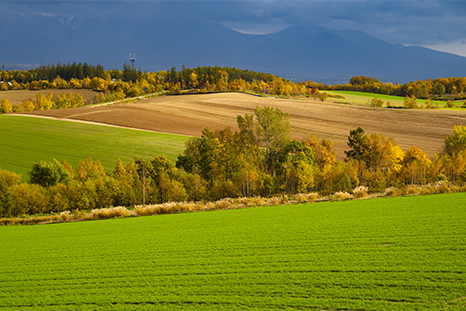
(190, 114)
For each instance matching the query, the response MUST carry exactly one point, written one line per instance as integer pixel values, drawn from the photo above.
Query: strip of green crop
(382, 254)
(362, 97)
(24, 140)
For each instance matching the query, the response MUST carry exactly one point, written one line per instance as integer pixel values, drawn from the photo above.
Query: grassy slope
(360, 98)
(384, 254)
(24, 140)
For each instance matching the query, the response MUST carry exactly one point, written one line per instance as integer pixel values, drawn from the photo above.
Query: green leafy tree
(48, 174)
(273, 133)
(456, 142)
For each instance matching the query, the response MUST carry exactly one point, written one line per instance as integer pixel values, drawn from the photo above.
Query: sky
(436, 24)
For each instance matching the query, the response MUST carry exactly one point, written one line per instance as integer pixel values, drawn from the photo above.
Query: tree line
(435, 89)
(131, 82)
(258, 160)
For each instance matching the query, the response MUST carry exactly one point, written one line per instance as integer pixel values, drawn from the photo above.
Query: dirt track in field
(190, 114)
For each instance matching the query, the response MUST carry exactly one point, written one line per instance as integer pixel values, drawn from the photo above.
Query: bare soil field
(18, 96)
(190, 114)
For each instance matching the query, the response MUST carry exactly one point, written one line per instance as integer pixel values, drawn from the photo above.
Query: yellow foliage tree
(5, 106)
(44, 102)
(26, 105)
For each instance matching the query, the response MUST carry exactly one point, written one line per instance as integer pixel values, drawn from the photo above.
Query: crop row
(398, 253)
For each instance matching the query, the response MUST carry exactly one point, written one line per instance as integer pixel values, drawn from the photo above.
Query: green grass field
(404, 253)
(361, 98)
(24, 140)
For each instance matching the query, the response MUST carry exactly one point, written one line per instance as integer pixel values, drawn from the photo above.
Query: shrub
(441, 186)
(339, 196)
(392, 192)
(274, 201)
(113, 212)
(209, 206)
(65, 216)
(360, 192)
(306, 197)
(300, 197)
(360, 195)
(411, 190)
(425, 191)
(257, 201)
(245, 201)
(223, 204)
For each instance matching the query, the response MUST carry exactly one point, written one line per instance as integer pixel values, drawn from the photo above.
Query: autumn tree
(44, 102)
(5, 106)
(26, 105)
(410, 102)
(416, 165)
(248, 155)
(125, 187)
(375, 102)
(5, 199)
(28, 199)
(381, 153)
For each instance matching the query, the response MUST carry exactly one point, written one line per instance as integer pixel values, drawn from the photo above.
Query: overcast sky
(436, 24)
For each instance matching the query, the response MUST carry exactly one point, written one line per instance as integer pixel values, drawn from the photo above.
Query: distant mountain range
(298, 53)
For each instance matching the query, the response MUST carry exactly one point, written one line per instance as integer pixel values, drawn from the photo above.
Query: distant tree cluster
(258, 160)
(51, 72)
(431, 88)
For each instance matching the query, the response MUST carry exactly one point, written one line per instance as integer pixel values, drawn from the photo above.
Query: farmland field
(361, 98)
(190, 114)
(402, 253)
(24, 140)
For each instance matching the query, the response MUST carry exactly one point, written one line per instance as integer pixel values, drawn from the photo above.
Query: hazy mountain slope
(298, 52)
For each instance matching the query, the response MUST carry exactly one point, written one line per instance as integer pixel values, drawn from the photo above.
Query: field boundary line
(92, 123)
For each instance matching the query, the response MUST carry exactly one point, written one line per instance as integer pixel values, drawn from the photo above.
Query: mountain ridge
(298, 52)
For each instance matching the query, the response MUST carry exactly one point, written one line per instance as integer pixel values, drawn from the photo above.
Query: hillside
(190, 114)
(298, 52)
(26, 140)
